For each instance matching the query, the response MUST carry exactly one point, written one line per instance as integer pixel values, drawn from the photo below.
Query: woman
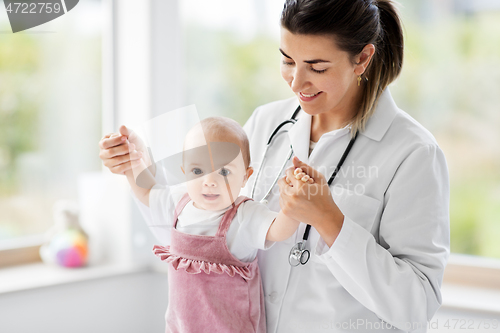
(379, 240)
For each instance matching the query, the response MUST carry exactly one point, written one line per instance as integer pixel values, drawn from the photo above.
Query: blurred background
(50, 115)
(51, 99)
(56, 97)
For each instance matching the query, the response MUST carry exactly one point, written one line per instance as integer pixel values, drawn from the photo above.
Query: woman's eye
(224, 172)
(318, 70)
(287, 63)
(197, 171)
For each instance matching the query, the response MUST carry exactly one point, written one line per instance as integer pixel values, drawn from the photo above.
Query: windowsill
(27, 277)
(472, 271)
(40, 275)
(471, 298)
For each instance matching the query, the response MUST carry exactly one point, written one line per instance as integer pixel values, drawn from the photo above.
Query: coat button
(273, 296)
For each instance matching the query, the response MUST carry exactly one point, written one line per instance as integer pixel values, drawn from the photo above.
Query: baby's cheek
(236, 187)
(193, 187)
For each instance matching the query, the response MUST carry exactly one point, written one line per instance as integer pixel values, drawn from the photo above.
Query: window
(231, 60)
(50, 120)
(450, 84)
(50, 92)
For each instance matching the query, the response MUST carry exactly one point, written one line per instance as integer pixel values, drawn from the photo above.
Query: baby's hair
(222, 127)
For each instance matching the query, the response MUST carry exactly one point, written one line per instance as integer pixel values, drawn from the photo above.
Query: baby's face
(212, 189)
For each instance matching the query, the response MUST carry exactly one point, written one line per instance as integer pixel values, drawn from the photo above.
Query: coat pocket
(360, 208)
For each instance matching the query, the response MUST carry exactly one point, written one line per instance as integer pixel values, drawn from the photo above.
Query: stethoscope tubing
(298, 250)
(272, 137)
(264, 157)
(288, 121)
(330, 181)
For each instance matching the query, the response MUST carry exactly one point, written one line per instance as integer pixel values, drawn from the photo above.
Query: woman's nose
(298, 80)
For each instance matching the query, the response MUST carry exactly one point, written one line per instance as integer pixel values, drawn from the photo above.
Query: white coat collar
(300, 135)
(376, 126)
(381, 119)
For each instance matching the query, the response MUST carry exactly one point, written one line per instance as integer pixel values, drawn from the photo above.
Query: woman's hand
(122, 151)
(310, 203)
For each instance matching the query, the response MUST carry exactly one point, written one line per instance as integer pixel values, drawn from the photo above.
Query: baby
(214, 279)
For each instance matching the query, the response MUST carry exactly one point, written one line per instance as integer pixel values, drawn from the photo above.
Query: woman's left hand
(310, 203)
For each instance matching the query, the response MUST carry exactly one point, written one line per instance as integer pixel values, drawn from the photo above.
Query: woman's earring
(359, 80)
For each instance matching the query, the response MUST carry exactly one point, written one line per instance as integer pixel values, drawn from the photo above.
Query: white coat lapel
(299, 136)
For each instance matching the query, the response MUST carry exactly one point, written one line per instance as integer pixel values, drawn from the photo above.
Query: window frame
(473, 271)
(21, 251)
(26, 250)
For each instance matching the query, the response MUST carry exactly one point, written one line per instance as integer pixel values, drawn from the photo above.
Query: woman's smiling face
(319, 73)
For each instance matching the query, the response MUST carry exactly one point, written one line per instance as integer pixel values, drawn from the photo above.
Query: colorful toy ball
(68, 243)
(68, 248)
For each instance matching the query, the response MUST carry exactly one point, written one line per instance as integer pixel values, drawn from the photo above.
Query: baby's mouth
(211, 196)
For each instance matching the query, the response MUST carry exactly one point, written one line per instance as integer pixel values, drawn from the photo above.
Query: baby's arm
(282, 228)
(141, 193)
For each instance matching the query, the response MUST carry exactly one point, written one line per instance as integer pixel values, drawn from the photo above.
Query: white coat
(386, 265)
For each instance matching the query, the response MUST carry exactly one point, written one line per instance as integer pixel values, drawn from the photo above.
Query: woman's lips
(211, 196)
(308, 97)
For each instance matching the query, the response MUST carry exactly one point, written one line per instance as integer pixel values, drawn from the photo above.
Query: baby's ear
(249, 172)
(247, 176)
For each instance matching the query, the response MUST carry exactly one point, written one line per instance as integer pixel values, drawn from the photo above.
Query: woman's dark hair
(355, 24)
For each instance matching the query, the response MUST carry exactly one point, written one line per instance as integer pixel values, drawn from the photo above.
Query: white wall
(136, 303)
(132, 303)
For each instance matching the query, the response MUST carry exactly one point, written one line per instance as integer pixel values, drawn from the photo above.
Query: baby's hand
(123, 151)
(300, 174)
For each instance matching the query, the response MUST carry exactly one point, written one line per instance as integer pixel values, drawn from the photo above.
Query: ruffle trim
(197, 266)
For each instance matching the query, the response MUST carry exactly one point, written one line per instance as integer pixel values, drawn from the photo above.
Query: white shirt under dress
(245, 236)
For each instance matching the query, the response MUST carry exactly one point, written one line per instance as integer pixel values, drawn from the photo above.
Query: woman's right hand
(118, 151)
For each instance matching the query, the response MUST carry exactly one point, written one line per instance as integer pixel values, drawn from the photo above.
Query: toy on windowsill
(68, 243)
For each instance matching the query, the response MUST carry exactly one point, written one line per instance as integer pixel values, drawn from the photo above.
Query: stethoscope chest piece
(299, 255)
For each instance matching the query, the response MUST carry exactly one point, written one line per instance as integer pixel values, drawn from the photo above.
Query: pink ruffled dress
(210, 290)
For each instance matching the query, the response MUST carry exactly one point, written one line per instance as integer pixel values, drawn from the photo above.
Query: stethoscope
(273, 136)
(299, 255)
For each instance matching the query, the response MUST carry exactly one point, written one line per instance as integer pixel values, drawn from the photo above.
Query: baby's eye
(197, 171)
(224, 172)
